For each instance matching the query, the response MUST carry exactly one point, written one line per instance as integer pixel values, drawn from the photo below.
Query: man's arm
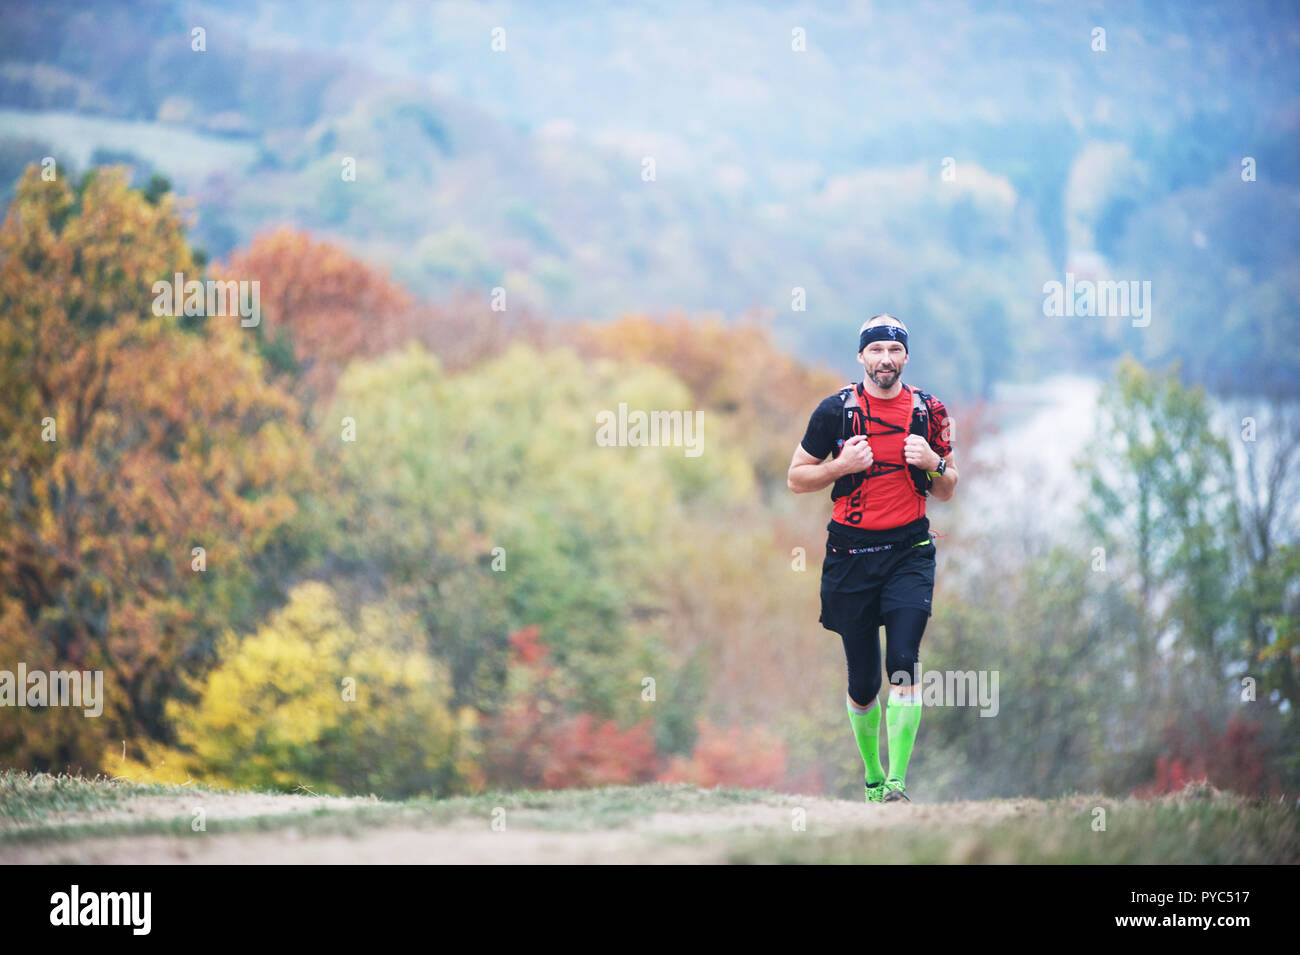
(943, 485)
(807, 473)
(920, 453)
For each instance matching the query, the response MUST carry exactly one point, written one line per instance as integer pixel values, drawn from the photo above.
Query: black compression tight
(904, 627)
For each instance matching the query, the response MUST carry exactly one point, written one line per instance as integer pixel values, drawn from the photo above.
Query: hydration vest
(852, 422)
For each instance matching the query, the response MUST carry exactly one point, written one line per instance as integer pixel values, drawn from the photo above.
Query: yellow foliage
(308, 700)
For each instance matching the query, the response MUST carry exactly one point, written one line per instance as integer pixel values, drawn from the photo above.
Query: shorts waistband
(877, 547)
(844, 536)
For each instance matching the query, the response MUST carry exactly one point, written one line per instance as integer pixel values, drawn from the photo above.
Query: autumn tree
(147, 469)
(324, 307)
(760, 394)
(321, 303)
(317, 699)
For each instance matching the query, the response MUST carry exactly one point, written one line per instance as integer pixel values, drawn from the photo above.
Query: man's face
(883, 362)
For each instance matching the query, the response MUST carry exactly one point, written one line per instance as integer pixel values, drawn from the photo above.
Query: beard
(883, 379)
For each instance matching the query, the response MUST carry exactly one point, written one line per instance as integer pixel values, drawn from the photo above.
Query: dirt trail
(647, 839)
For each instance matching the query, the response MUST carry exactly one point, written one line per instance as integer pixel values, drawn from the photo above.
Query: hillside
(773, 170)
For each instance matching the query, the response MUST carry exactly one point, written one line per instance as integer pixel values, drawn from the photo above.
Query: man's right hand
(855, 456)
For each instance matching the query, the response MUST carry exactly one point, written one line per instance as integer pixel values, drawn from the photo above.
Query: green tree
(484, 502)
(1161, 502)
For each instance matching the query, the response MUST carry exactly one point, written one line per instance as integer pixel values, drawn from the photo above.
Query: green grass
(1194, 827)
(594, 809)
(27, 802)
(1167, 832)
(28, 796)
(318, 822)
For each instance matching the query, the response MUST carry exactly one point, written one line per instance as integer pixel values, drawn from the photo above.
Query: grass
(28, 801)
(1171, 831)
(29, 796)
(1198, 826)
(595, 809)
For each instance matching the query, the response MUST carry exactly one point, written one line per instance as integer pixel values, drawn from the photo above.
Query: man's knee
(904, 627)
(863, 688)
(902, 678)
(902, 665)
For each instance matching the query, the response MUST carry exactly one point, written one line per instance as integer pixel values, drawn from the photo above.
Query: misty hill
(774, 169)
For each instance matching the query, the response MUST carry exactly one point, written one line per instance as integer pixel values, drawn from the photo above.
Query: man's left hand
(918, 453)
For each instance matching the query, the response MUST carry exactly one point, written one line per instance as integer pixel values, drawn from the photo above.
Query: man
(879, 564)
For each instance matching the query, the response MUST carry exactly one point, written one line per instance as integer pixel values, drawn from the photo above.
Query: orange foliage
(750, 758)
(336, 307)
(735, 370)
(738, 371)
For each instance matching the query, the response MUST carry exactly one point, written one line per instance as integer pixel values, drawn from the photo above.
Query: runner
(891, 446)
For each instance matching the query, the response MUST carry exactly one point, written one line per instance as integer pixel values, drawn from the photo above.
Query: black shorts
(858, 588)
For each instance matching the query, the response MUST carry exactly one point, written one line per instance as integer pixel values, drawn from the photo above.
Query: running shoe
(894, 791)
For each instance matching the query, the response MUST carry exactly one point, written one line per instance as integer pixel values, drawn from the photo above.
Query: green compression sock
(866, 729)
(901, 721)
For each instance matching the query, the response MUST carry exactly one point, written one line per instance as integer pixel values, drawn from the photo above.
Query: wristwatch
(943, 466)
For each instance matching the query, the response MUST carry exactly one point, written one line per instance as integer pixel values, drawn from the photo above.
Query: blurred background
(371, 544)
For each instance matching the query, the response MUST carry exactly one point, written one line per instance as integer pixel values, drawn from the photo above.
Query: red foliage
(1236, 760)
(1172, 774)
(533, 742)
(582, 752)
(526, 644)
(746, 758)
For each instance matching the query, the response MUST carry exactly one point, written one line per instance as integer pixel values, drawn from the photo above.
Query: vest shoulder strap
(921, 423)
(923, 410)
(850, 402)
